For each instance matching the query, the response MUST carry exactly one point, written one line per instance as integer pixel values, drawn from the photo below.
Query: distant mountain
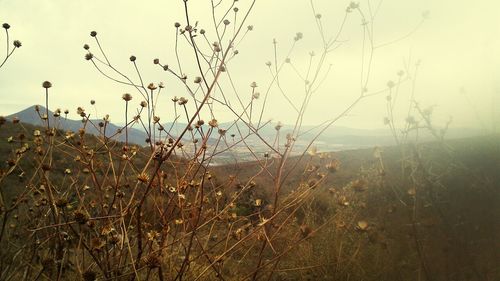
(332, 139)
(31, 116)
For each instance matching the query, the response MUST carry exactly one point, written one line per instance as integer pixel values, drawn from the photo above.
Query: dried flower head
(250, 27)
(156, 61)
(93, 33)
(298, 36)
(86, 46)
(213, 123)
(152, 86)
(17, 44)
(6, 26)
(46, 84)
(143, 177)
(89, 56)
(362, 225)
(61, 202)
(80, 217)
(253, 84)
(132, 58)
(226, 22)
(353, 5)
(197, 79)
(177, 25)
(278, 126)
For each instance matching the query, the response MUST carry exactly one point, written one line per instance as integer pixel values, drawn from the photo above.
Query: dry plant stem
(7, 53)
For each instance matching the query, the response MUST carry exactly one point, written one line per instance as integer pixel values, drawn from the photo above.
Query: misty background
(457, 46)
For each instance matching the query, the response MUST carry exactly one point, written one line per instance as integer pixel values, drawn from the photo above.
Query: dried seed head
(132, 58)
(93, 33)
(298, 36)
(152, 86)
(127, 97)
(89, 56)
(182, 101)
(226, 22)
(80, 217)
(156, 61)
(250, 27)
(278, 126)
(202, 31)
(253, 84)
(86, 46)
(197, 79)
(6, 26)
(61, 202)
(143, 177)
(177, 25)
(17, 44)
(46, 84)
(353, 5)
(362, 225)
(165, 67)
(92, 102)
(213, 123)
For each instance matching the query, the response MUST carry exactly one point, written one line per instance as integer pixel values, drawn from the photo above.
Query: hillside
(357, 218)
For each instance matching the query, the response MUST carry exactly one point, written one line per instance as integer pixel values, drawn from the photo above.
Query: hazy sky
(458, 47)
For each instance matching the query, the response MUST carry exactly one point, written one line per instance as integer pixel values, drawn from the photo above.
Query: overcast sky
(458, 47)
